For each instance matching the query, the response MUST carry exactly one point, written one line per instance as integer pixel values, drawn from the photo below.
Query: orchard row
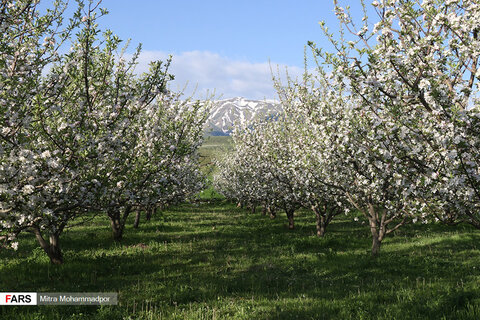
(80, 131)
(388, 124)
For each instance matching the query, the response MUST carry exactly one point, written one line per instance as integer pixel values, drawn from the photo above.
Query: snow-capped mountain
(225, 113)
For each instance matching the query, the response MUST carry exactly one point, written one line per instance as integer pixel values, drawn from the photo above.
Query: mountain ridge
(226, 112)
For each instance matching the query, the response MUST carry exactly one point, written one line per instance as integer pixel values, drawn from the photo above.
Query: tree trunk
(254, 208)
(264, 210)
(290, 213)
(150, 212)
(323, 218)
(375, 245)
(377, 228)
(117, 222)
(272, 212)
(378, 225)
(51, 248)
(153, 211)
(117, 227)
(137, 219)
(321, 224)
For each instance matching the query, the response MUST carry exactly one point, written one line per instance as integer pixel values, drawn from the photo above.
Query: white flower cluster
(392, 129)
(89, 135)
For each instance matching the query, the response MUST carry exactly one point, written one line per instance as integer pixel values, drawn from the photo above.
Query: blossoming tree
(418, 66)
(90, 135)
(30, 171)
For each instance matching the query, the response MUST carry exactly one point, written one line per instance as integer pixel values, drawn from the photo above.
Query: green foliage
(220, 262)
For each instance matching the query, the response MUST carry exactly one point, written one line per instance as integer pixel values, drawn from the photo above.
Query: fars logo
(18, 298)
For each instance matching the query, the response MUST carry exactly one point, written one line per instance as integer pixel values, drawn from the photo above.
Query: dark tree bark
(290, 212)
(264, 210)
(150, 212)
(137, 219)
(324, 215)
(117, 221)
(51, 247)
(379, 220)
(117, 227)
(272, 212)
(376, 242)
(321, 225)
(377, 228)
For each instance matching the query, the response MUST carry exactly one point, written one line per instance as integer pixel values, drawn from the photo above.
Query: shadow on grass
(208, 254)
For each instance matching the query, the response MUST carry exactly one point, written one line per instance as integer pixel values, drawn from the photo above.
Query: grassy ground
(215, 261)
(214, 146)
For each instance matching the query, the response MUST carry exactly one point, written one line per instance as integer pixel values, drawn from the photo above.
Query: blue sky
(223, 45)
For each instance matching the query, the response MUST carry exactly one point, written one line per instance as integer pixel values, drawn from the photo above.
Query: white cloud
(226, 77)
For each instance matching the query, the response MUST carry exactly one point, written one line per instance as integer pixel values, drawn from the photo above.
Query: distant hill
(225, 113)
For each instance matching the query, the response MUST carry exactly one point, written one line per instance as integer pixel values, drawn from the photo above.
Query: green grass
(214, 146)
(215, 261)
